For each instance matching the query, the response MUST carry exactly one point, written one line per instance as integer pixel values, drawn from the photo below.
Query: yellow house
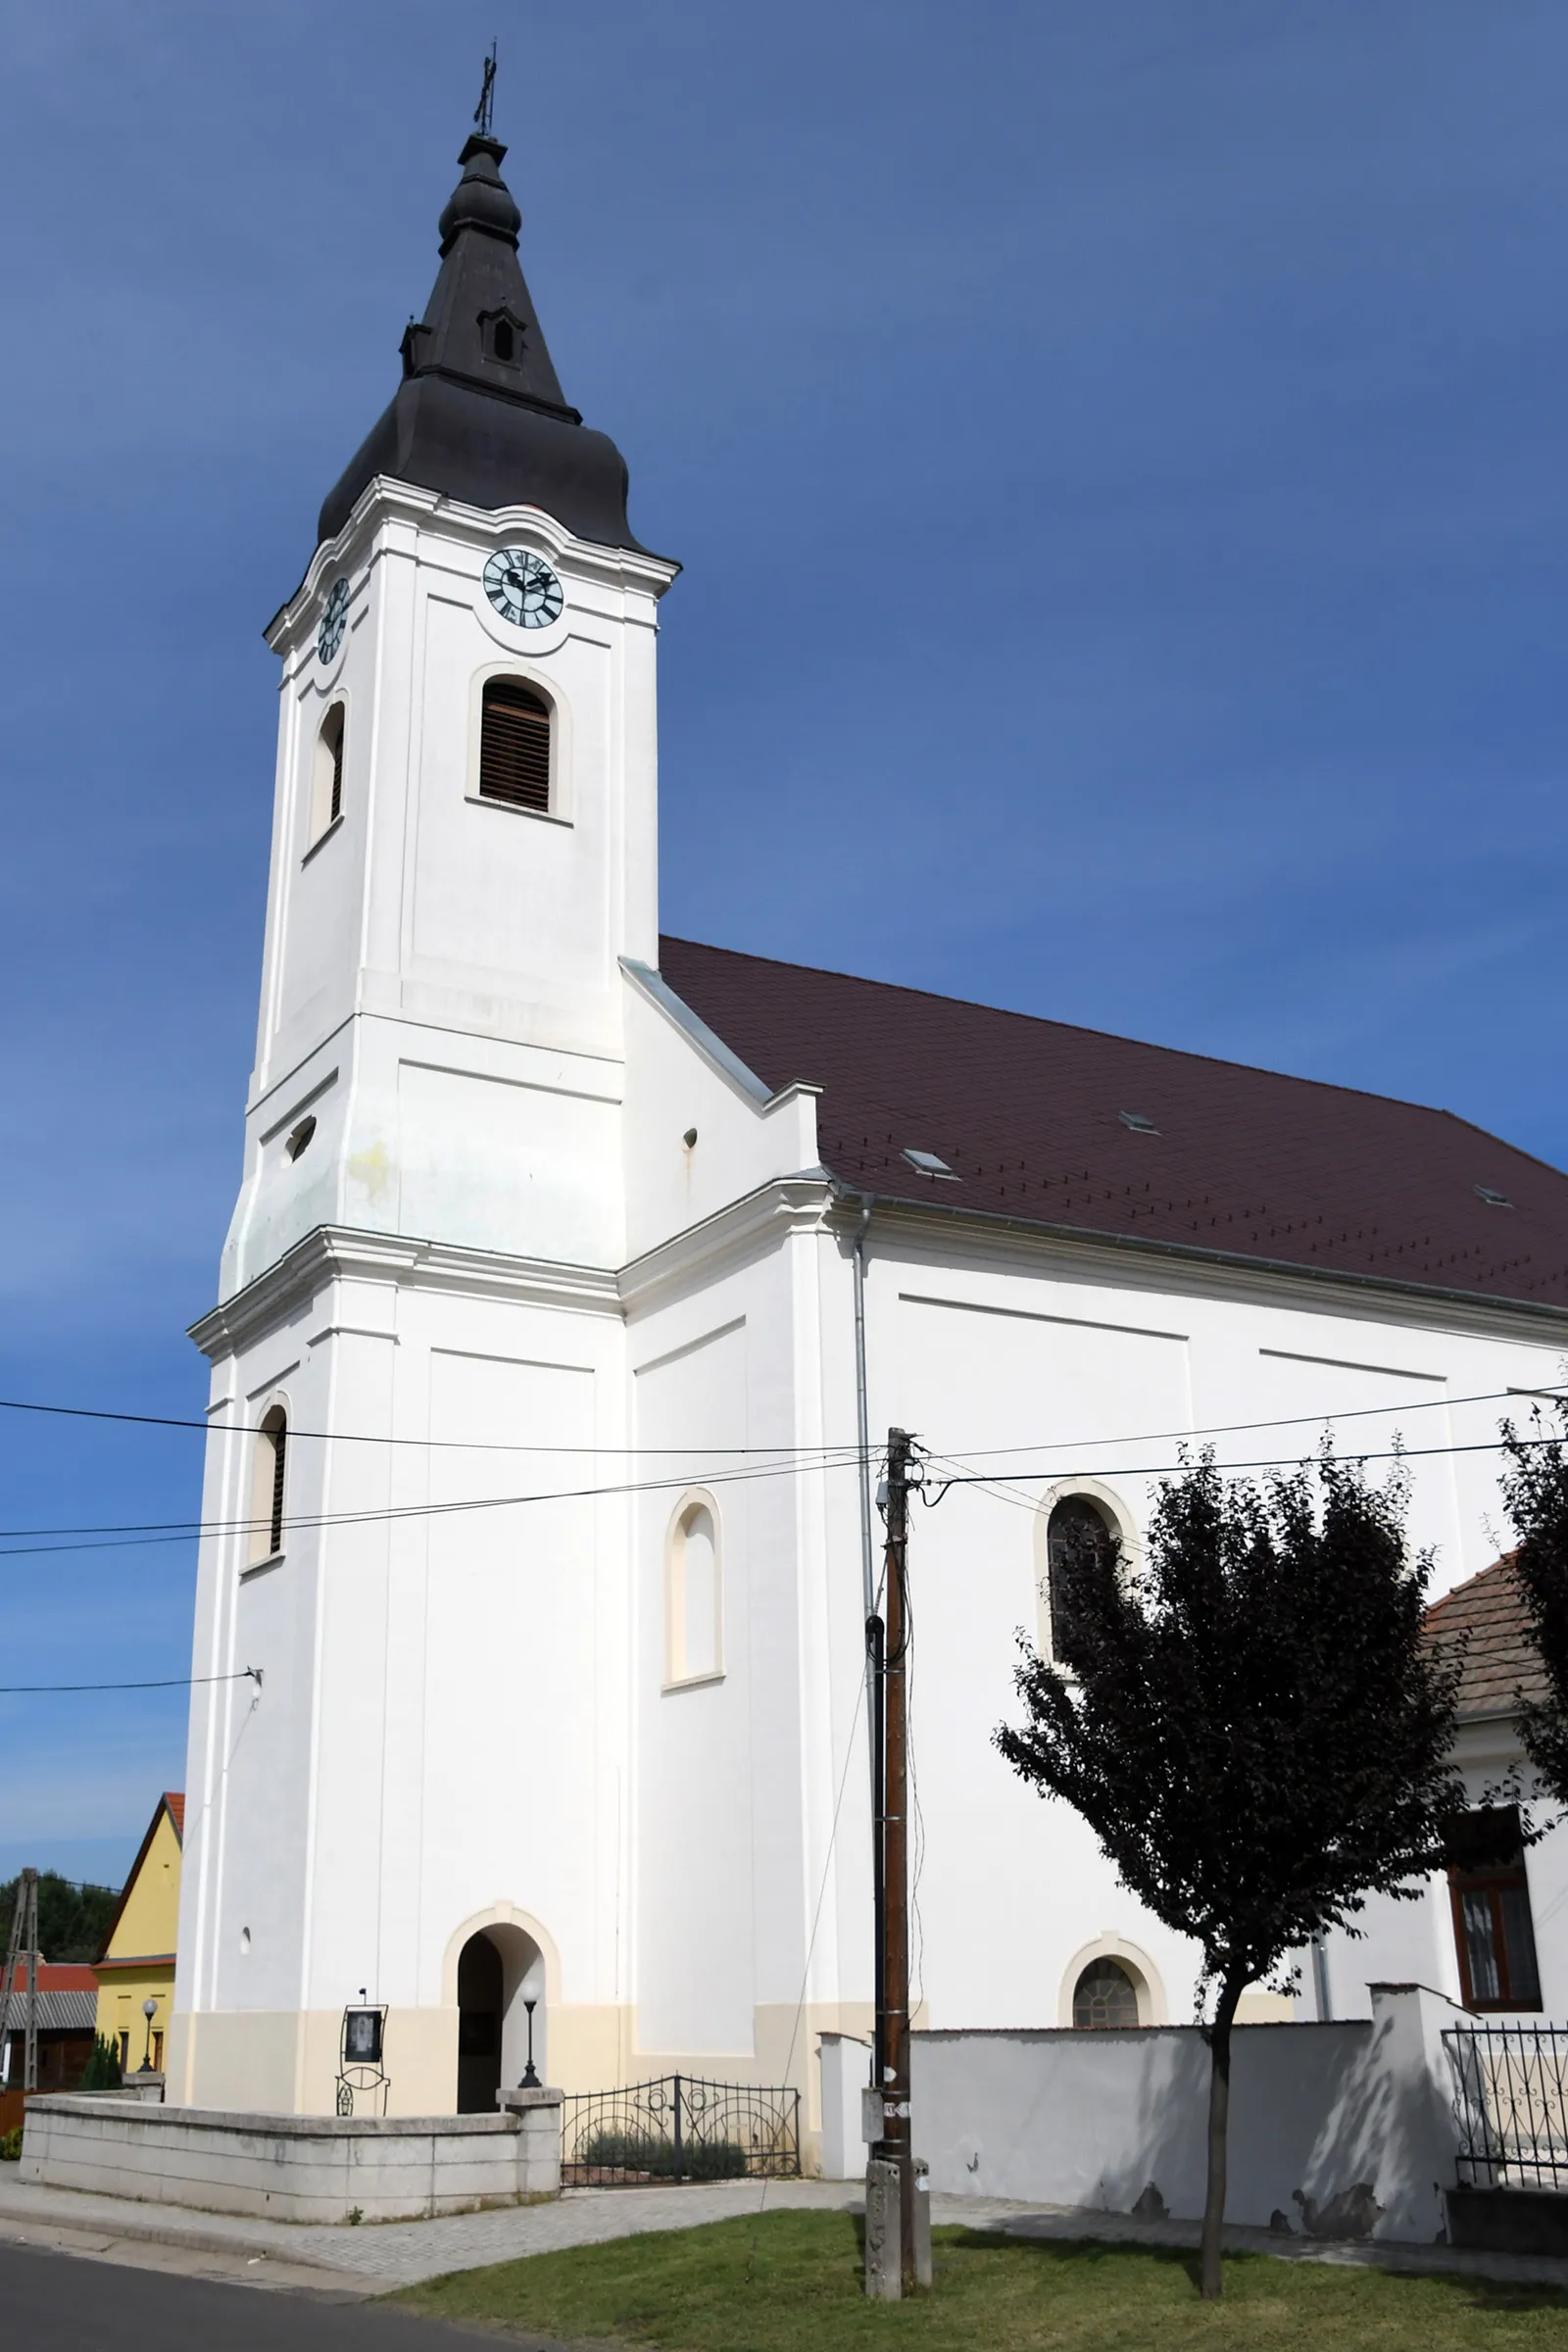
(138, 1962)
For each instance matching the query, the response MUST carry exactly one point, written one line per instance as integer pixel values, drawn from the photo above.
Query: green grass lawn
(791, 2283)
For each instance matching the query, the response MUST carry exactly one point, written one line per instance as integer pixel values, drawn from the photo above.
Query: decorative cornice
(1128, 1259)
(340, 1253)
(744, 1230)
(384, 500)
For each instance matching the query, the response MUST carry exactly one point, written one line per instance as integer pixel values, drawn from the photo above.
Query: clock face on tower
(336, 613)
(523, 589)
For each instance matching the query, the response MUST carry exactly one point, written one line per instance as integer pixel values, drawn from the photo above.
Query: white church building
(570, 1264)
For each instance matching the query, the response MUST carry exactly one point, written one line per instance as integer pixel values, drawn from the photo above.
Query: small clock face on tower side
(523, 589)
(334, 616)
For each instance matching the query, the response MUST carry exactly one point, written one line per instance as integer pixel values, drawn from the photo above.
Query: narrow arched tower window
(268, 1477)
(514, 745)
(693, 1647)
(327, 778)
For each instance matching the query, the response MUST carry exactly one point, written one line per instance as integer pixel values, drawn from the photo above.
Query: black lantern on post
(530, 2081)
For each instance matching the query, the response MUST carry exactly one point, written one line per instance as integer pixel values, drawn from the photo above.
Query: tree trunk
(1219, 2109)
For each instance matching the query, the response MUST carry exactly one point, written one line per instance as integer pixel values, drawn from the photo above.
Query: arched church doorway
(481, 2005)
(500, 1978)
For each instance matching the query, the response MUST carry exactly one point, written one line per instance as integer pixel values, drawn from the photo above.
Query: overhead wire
(780, 1462)
(172, 1681)
(354, 1437)
(131, 1538)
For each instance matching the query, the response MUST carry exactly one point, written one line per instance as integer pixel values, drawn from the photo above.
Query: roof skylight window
(1139, 1122)
(926, 1164)
(1492, 1197)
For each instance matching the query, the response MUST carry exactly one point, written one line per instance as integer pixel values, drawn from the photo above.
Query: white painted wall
(1094, 2119)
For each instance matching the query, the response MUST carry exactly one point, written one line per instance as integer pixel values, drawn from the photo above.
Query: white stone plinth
(297, 2168)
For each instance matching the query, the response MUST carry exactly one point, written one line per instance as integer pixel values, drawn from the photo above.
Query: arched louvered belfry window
(514, 745)
(267, 1479)
(326, 776)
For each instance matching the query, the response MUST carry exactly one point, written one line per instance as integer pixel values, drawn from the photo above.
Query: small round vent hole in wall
(299, 1139)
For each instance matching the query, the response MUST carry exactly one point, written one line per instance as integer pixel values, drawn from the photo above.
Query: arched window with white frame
(268, 1476)
(694, 1595)
(1075, 1523)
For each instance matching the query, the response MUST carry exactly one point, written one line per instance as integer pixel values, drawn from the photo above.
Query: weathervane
(482, 111)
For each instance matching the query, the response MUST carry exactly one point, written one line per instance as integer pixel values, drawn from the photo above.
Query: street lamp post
(149, 2010)
(530, 2081)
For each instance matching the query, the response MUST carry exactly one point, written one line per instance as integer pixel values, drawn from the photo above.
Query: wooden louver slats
(279, 1436)
(515, 745)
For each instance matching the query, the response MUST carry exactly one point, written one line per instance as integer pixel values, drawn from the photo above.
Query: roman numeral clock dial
(523, 589)
(334, 615)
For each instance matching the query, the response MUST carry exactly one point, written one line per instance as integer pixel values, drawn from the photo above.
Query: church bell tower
(417, 1314)
(465, 823)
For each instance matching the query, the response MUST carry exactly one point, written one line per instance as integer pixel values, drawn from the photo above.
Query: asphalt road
(59, 2303)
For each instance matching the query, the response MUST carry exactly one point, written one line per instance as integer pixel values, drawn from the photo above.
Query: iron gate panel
(679, 2127)
(1510, 2102)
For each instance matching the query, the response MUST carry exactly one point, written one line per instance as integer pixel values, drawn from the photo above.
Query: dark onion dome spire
(479, 414)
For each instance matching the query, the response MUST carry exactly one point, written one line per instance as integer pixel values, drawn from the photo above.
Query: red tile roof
(174, 1799)
(1487, 1611)
(1027, 1113)
(55, 1976)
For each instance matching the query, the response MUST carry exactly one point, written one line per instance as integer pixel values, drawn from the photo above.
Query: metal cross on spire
(482, 111)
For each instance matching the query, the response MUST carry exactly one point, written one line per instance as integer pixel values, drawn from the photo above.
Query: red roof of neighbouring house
(174, 1799)
(1488, 1613)
(55, 1976)
(1027, 1113)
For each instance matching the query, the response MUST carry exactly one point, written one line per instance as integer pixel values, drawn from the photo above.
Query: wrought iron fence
(1510, 2102)
(679, 2127)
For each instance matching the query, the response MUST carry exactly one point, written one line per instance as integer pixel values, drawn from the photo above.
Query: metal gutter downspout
(873, 1624)
(862, 1424)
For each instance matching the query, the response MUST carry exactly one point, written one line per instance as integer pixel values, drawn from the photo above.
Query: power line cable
(1229, 1429)
(1395, 1453)
(174, 1682)
(121, 1539)
(350, 1437)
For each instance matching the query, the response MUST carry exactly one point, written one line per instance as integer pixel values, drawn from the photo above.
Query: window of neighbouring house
(1493, 1925)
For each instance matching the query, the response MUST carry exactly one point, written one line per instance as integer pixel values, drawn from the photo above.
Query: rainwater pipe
(862, 1423)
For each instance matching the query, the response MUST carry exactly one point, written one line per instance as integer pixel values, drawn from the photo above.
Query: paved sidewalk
(379, 2257)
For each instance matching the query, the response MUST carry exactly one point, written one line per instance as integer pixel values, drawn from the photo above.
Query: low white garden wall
(1337, 2130)
(297, 2168)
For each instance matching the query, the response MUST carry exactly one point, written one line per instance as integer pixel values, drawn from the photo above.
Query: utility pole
(897, 2247)
(23, 1941)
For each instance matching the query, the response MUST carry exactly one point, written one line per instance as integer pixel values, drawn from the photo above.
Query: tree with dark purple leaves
(1251, 1723)
(1534, 1487)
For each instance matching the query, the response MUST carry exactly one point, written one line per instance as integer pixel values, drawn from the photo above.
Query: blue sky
(1118, 457)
